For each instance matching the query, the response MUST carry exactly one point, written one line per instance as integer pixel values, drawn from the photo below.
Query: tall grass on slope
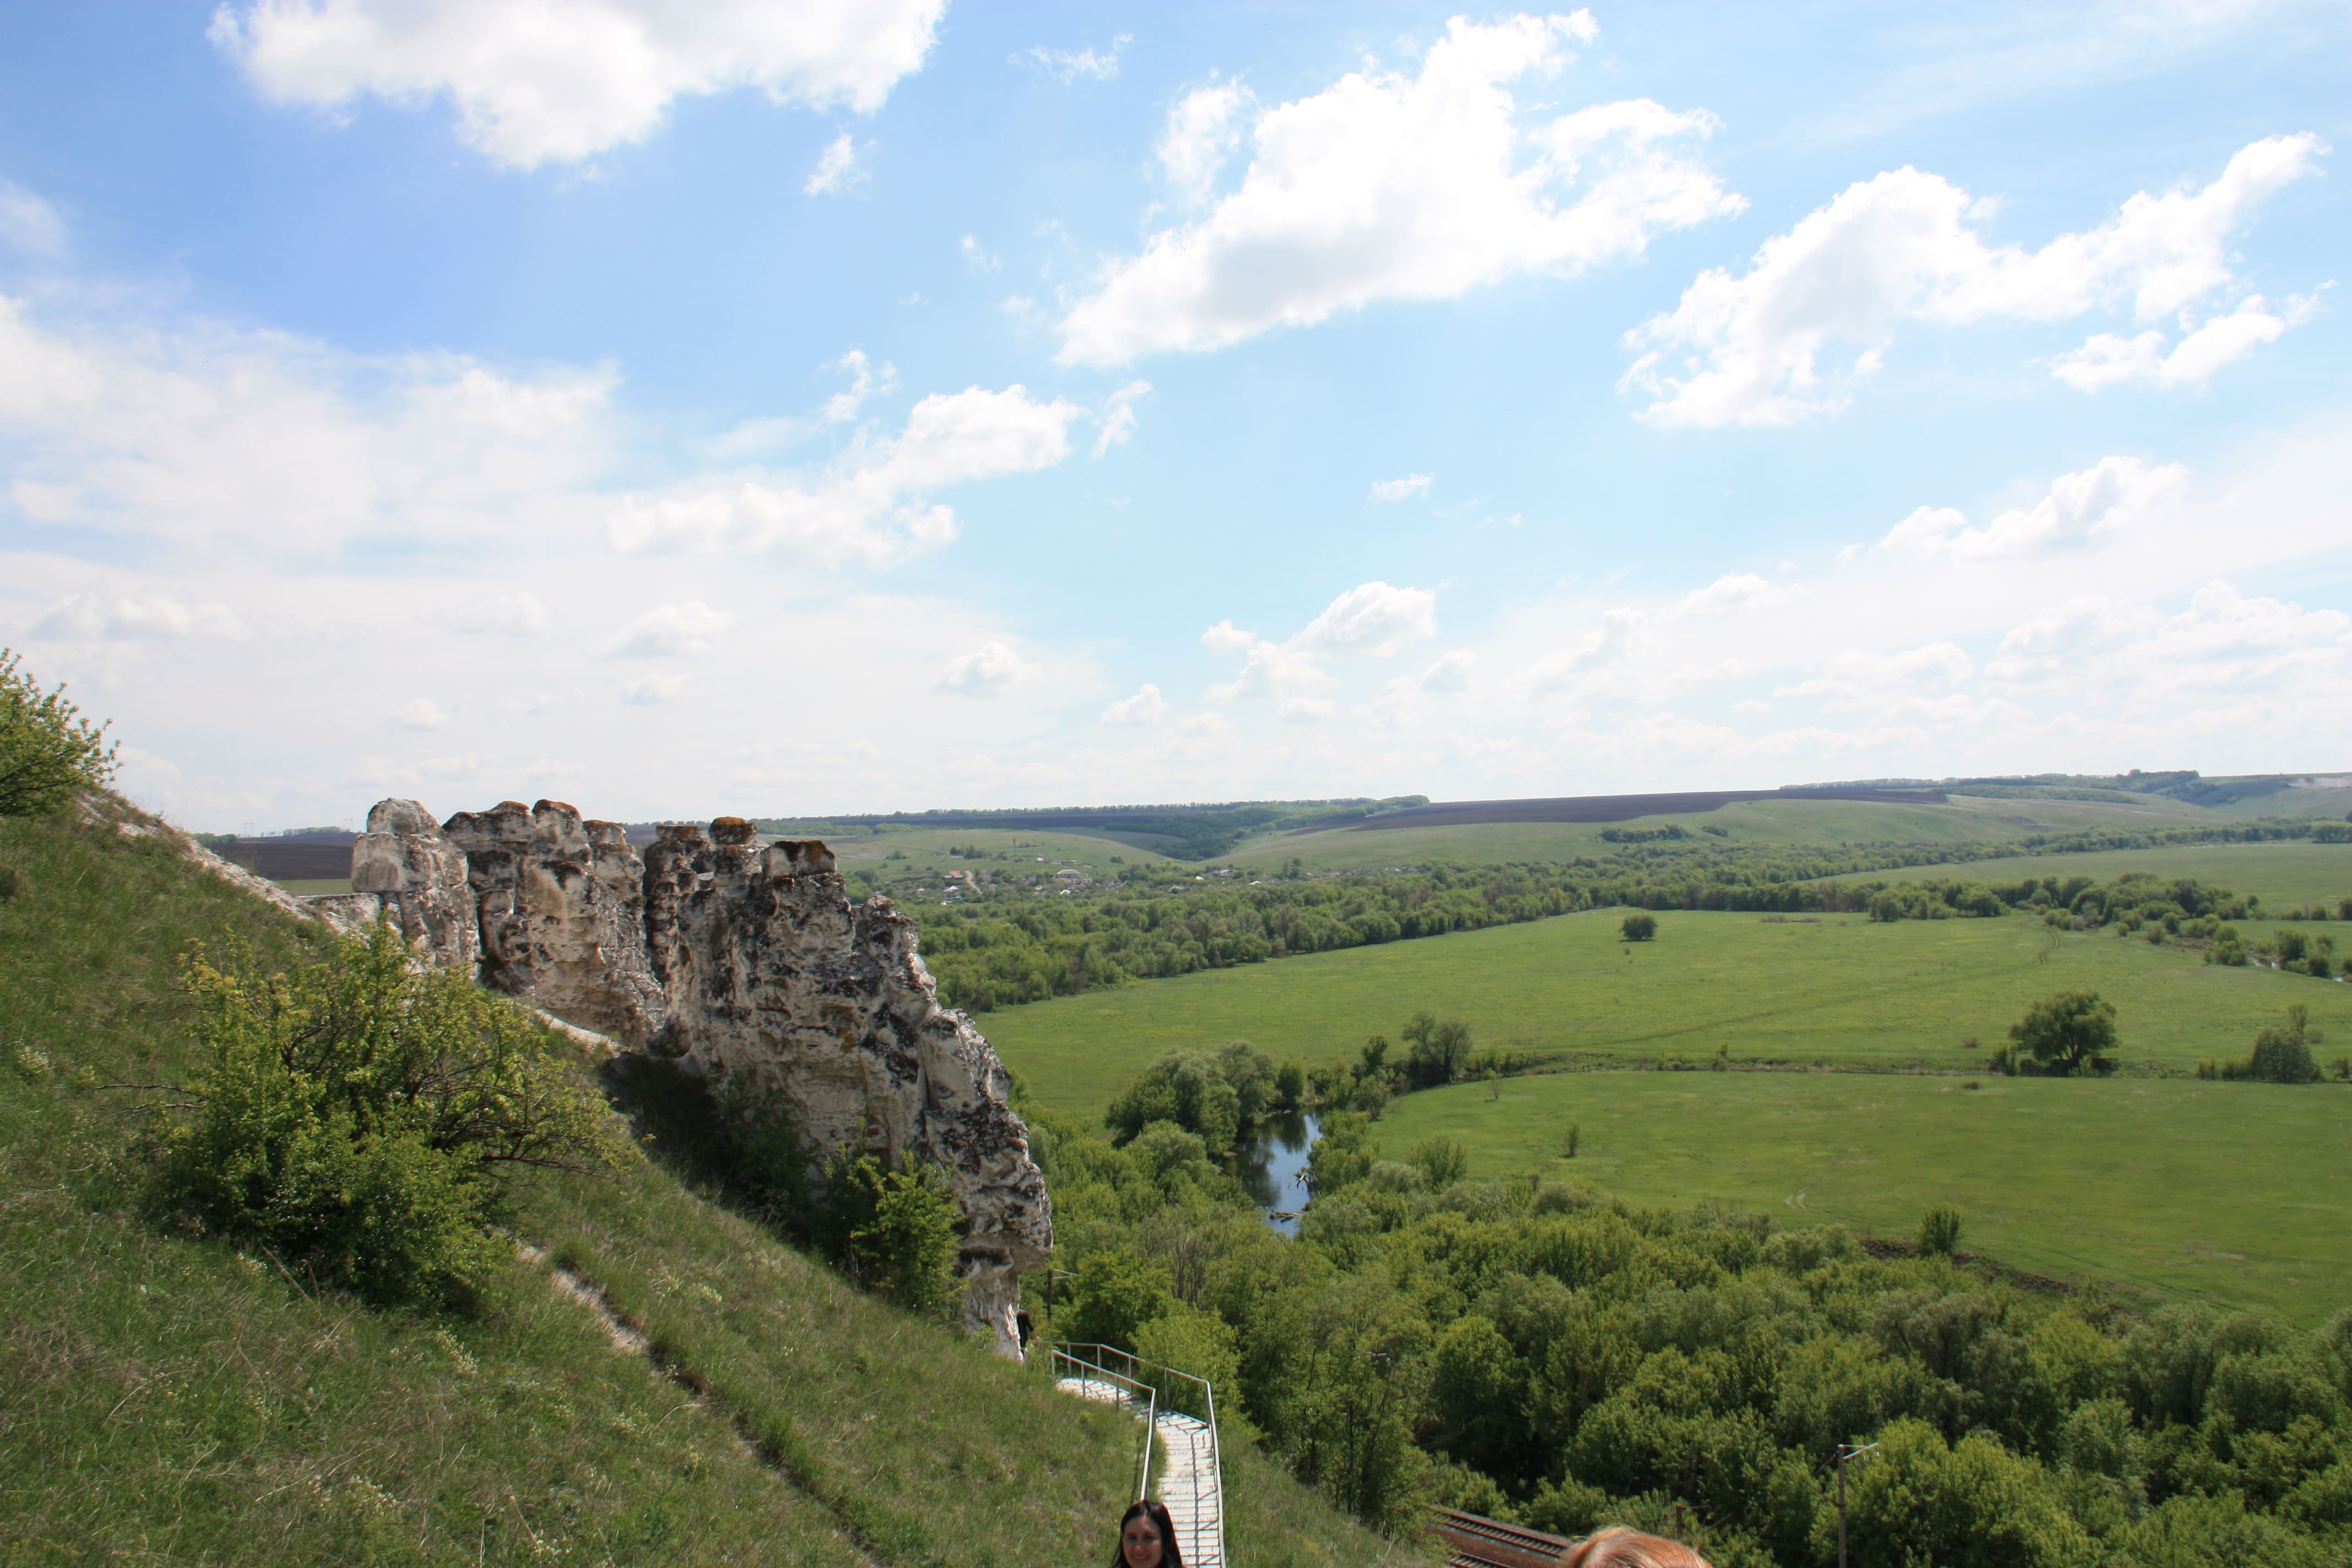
(171, 1400)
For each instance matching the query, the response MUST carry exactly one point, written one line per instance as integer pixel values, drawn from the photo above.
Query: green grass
(1843, 990)
(925, 852)
(168, 1400)
(2288, 873)
(1967, 819)
(313, 886)
(2229, 1191)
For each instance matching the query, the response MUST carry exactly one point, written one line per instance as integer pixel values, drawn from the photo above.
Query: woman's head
(1147, 1537)
(1619, 1547)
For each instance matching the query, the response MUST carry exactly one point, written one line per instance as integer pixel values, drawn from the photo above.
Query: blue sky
(817, 406)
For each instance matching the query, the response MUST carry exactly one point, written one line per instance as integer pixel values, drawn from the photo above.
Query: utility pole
(1845, 1451)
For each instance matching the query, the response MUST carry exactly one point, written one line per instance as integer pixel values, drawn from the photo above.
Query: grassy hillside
(171, 1400)
(1842, 990)
(2226, 1191)
(1967, 819)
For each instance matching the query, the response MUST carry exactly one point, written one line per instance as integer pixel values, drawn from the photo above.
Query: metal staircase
(1192, 1476)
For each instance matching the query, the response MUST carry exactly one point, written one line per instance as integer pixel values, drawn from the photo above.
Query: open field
(2284, 874)
(925, 851)
(1965, 819)
(1842, 990)
(2231, 1191)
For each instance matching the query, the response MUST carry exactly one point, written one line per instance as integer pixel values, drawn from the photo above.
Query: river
(1271, 1160)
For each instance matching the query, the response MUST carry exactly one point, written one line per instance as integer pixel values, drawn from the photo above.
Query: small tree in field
(2283, 1055)
(47, 749)
(2068, 1032)
(1939, 1230)
(1638, 928)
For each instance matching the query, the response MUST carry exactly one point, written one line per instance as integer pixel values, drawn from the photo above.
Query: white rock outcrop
(745, 960)
(559, 903)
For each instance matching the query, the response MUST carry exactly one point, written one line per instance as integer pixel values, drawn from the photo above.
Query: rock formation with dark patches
(559, 903)
(417, 880)
(750, 963)
(775, 975)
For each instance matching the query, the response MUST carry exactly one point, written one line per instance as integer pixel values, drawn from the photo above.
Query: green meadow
(1839, 990)
(2227, 1190)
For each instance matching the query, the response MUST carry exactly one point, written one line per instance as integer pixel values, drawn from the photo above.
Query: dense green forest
(1004, 943)
(1538, 1351)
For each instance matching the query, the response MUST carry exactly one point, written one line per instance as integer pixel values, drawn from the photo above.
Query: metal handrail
(1065, 1351)
(1135, 1390)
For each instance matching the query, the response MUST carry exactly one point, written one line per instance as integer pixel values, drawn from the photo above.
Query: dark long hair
(1152, 1509)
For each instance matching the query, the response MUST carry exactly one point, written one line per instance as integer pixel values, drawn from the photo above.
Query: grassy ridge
(164, 1399)
(1843, 991)
(2292, 872)
(2231, 1192)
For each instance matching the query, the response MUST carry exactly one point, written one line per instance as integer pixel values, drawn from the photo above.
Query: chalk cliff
(743, 961)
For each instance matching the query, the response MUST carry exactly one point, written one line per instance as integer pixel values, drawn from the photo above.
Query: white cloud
(1451, 672)
(872, 506)
(652, 690)
(511, 615)
(977, 260)
(1305, 709)
(1067, 65)
(422, 713)
(2126, 653)
(2107, 359)
(1405, 488)
(1864, 678)
(1393, 187)
(1145, 707)
(669, 631)
(836, 168)
(29, 223)
(1594, 653)
(1748, 350)
(2105, 500)
(139, 618)
(1371, 618)
(1118, 416)
(1203, 131)
(1728, 594)
(561, 81)
(985, 672)
(865, 382)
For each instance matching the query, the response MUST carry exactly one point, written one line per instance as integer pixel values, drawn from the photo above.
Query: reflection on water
(1271, 1161)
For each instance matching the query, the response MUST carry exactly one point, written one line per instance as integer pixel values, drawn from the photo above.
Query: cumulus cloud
(2222, 641)
(1203, 131)
(2107, 359)
(1066, 66)
(1386, 186)
(511, 615)
(1118, 416)
(2079, 509)
(421, 713)
(669, 631)
(1729, 593)
(652, 690)
(29, 223)
(1451, 672)
(836, 168)
(1374, 619)
(1904, 246)
(1405, 488)
(1605, 646)
(984, 671)
(1859, 678)
(561, 81)
(139, 618)
(1145, 707)
(872, 506)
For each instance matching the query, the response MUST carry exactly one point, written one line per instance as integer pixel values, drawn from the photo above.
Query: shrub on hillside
(347, 1115)
(1939, 1230)
(2283, 1055)
(1638, 928)
(47, 749)
(2068, 1032)
(905, 1244)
